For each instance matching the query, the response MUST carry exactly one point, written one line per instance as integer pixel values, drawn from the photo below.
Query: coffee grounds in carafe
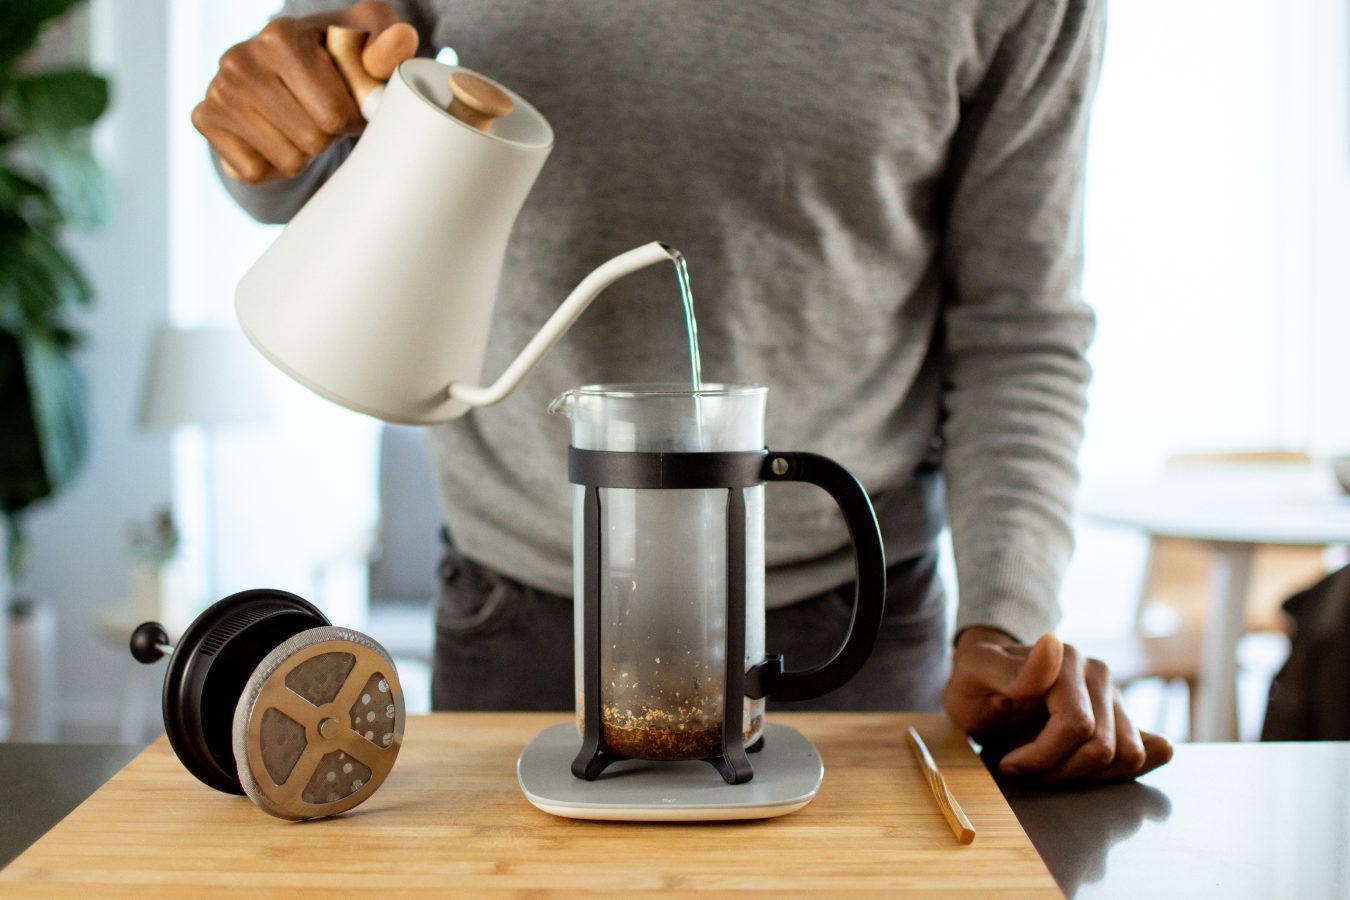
(692, 730)
(666, 735)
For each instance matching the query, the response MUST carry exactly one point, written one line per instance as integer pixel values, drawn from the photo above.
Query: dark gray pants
(503, 645)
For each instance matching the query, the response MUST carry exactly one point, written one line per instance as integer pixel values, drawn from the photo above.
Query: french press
(264, 697)
(668, 544)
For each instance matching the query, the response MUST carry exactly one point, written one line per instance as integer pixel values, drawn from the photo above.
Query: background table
(1234, 508)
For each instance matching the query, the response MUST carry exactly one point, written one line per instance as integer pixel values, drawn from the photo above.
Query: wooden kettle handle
(476, 101)
(345, 46)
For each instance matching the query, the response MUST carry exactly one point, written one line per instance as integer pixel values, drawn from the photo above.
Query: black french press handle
(869, 596)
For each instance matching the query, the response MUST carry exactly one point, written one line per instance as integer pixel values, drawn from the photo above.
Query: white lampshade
(203, 376)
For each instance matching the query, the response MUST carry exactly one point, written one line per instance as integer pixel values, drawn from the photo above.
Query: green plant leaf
(64, 272)
(23, 476)
(16, 547)
(25, 198)
(38, 279)
(48, 178)
(75, 181)
(16, 188)
(57, 398)
(42, 415)
(52, 104)
(21, 22)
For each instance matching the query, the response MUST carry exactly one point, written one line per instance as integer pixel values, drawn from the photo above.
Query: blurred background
(1217, 234)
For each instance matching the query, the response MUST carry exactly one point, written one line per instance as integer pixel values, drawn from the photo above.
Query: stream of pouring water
(690, 323)
(695, 362)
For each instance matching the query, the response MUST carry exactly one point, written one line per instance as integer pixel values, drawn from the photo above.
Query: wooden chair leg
(1193, 701)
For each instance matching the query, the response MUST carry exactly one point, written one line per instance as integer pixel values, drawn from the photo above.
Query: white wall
(1328, 69)
(296, 500)
(1218, 249)
(78, 541)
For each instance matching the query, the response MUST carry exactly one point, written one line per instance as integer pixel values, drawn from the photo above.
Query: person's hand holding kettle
(279, 99)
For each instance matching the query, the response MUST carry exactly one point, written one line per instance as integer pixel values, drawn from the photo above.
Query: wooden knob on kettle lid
(477, 101)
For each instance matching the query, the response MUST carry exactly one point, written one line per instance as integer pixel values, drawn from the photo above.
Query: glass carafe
(674, 481)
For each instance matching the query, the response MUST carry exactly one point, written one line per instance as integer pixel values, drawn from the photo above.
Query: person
(881, 207)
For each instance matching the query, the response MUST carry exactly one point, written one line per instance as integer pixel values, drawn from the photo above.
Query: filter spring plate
(319, 725)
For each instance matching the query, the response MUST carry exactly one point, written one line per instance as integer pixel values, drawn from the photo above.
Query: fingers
(267, 139)
(1010, 670)
(996, 686)
(1059, 711)
(1096, 757)
(278, 100)
(1130, 753)
(289, 57)
(1088, 741)
(370, 16)
(1071, 721)
(240, 161)
(1136, 753)
(1157, 752)
(1041, 669)
(302, 129)
(386, 50)
(244, 137)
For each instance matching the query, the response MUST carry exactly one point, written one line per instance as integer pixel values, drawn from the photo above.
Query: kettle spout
(562, 319)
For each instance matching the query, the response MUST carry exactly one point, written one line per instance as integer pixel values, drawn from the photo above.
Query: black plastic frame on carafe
(732, 471)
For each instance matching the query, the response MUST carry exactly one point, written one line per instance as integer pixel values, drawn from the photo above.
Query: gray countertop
(44, 782)
(1221, 820)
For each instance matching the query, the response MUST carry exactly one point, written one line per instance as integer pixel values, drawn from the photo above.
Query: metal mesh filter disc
(319, 724)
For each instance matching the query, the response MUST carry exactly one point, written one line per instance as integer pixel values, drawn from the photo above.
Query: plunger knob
(149, 642)
(477, 101)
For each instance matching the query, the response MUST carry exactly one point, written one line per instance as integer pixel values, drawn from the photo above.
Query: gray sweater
(881, 207)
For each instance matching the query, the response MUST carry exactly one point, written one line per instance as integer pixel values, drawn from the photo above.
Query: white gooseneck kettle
(379, 293)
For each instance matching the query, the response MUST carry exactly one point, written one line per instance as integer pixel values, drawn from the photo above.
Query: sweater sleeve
(1014, 326)
(275, 202)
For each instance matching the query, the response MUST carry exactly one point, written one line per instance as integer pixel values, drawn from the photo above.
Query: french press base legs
(589, 764)
(735, 767)
(594, 757)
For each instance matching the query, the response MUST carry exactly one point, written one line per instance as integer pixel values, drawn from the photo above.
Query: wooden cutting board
(451, 819)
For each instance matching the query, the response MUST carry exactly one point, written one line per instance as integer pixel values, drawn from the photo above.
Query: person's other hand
(1055, 712)
(278, 100)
